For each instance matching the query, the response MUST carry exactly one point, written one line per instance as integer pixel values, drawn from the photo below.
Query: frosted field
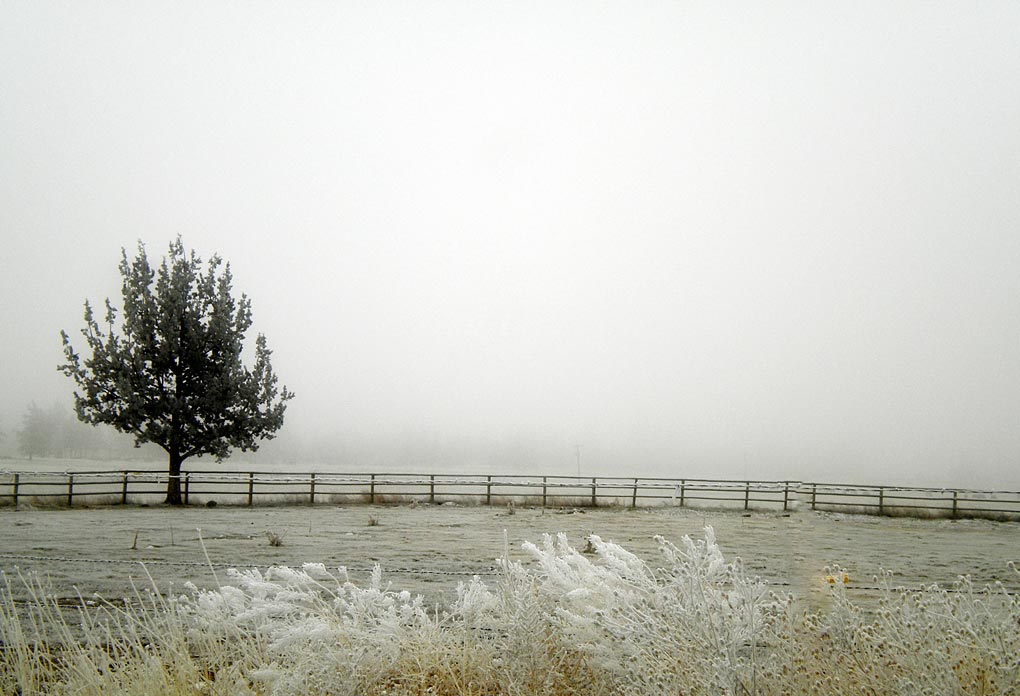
(429, 549)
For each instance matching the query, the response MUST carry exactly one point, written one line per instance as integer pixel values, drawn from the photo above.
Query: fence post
(814, 494)
(683, 490)
(432, 489)
(786, 495)
(593, 502)
(371, 489)
(251, 488)
(187, 487)
(123, 490)
(14, 492)
(633, 497)
(70, 490)
(488, 490)
(955, 508)
(881, 500)
(311, 489)
(544, 479)
(747, 494)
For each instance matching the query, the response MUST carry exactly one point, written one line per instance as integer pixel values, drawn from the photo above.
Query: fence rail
(250, 488)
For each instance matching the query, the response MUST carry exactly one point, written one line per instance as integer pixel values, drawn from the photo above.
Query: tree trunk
(173, 485)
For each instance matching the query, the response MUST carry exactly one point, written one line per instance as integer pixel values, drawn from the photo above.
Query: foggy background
(694, 239)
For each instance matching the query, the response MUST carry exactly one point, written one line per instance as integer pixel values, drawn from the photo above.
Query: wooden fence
(251, 488)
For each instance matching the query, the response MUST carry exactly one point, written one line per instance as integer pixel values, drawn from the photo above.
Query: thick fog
(683, 239)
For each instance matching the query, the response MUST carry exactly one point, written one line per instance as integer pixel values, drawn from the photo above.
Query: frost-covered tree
(171, 371)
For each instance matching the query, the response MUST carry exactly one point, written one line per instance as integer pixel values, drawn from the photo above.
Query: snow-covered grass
(561, 621)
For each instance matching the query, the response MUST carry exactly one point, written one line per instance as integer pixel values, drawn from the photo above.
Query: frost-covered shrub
(321, 633)
(697, 625)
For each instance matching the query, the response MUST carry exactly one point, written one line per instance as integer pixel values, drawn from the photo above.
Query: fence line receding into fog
(266, 487)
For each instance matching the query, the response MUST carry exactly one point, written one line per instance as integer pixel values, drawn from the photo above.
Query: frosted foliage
(961, 640)
(322, 633)
(624, 625)
(697, 622)
(558, 622)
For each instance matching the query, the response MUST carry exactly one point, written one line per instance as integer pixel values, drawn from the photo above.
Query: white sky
(722, 239)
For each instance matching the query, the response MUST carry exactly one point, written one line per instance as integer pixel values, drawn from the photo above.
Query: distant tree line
(56, 432)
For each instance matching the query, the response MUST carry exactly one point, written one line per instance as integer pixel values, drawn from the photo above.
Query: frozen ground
(428, 549)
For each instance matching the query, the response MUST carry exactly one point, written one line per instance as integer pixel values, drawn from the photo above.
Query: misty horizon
(719, 242)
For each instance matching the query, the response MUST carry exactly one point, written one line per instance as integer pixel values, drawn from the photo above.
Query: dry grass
(597, 622)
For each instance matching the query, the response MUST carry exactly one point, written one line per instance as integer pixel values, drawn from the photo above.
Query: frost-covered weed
(958, 640)
(697, 625)
(321, 633)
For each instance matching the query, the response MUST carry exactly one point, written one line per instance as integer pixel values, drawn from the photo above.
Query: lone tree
(172, 372)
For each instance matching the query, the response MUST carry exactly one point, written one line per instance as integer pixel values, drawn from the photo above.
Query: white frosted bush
(699, 624)
(322, 634)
